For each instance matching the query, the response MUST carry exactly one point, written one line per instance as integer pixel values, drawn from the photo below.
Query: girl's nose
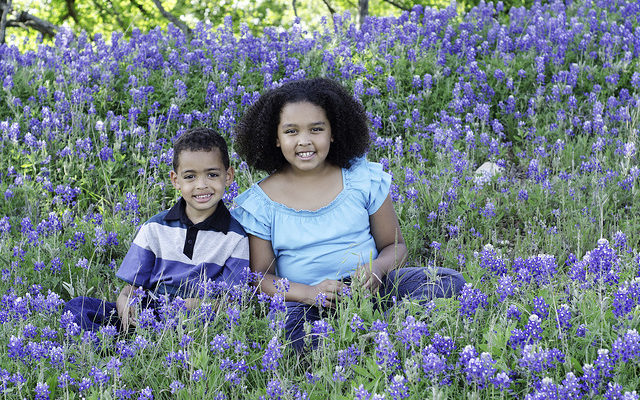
(304, 139)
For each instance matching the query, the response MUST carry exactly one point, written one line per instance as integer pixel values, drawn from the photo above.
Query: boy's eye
(188, 177)
(213, 175)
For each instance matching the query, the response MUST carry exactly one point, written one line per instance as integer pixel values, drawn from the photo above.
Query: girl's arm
(392, 251)
(263, 260)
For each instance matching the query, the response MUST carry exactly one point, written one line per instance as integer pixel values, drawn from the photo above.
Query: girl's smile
(304, 135)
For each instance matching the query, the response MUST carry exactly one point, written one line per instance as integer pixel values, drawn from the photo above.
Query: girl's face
(304, 135)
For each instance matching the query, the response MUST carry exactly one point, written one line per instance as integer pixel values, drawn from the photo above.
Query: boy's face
(202, 179)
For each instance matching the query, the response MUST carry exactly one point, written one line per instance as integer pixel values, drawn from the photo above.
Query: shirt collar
(218, 221)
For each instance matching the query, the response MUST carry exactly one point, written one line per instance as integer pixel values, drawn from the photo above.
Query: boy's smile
(201, 179)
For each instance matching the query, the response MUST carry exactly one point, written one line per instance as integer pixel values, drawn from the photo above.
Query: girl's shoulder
(363, 173)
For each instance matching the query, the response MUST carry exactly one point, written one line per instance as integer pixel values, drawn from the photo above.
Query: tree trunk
(5, 9)
(364, 10)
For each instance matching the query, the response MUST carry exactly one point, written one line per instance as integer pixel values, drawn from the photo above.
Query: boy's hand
(371, 276)
(128, 319)
(192, 303)
(325, 294)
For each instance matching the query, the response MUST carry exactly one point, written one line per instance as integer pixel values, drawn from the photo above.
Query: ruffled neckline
(346, 184)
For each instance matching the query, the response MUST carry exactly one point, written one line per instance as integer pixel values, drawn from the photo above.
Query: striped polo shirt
(171, 255)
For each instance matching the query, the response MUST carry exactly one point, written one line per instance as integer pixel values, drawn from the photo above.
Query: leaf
(69, 288)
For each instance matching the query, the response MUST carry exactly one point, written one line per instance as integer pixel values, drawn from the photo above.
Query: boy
(196, 240)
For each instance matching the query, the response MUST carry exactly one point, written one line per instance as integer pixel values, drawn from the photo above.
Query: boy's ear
(173, 177)
(230, 174)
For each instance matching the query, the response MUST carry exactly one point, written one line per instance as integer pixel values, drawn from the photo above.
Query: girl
(324, 211)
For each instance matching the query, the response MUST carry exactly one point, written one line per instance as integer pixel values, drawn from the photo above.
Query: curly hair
(256, 133)
(200, 139)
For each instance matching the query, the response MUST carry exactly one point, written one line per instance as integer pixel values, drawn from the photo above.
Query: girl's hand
(371, 276)
(325, 294)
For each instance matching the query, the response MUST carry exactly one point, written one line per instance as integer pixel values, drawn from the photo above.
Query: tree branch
(141, 8)
(26, 20)
(115, 12)
(71, 10)
(331, 9)
(295, 10)
(172, 18)
(400, 6)
(5, 9)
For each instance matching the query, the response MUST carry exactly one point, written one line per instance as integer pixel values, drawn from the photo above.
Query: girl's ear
(277, 142)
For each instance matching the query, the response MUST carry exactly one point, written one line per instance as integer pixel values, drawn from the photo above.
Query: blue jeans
(91, 314)
(416, 283)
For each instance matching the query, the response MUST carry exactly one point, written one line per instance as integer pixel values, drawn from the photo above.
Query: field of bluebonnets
(549, 243)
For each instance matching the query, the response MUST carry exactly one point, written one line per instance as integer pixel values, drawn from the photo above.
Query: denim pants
(421, 284)
(91, 314)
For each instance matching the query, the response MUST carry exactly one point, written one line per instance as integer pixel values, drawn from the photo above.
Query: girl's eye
(290, 131)
(317, 129)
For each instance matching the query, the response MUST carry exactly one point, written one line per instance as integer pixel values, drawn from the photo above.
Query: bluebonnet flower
(443, 344)
(42, 391)
(386, 355)
(601, 263)
(322, 328)
(470, 300)
(146, 394)
(480, 370)
(197, 375)
(434, 365)
(626, 298)
(582, 330)
(272, 355)
(564, 317)
(506, 287)
(540, 307)
(412, 332)
(398, 388)
(627, 347)
(379, 326)
(176, 386)
(540, 268)
(501, 381)
(56, 356)
(357, 323)
(491, 261)
(360, 393)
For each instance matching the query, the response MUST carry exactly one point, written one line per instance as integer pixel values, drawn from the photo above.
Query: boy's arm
(126, 313)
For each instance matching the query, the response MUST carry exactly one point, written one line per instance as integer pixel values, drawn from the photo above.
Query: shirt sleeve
(138, 264)
(371, 182)
(253, 212)
(237, 264)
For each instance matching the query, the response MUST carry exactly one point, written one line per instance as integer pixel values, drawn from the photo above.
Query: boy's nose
(201, 182)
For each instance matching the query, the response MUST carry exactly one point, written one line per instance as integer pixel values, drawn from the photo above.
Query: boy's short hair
(200, 139)
(256, 133)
